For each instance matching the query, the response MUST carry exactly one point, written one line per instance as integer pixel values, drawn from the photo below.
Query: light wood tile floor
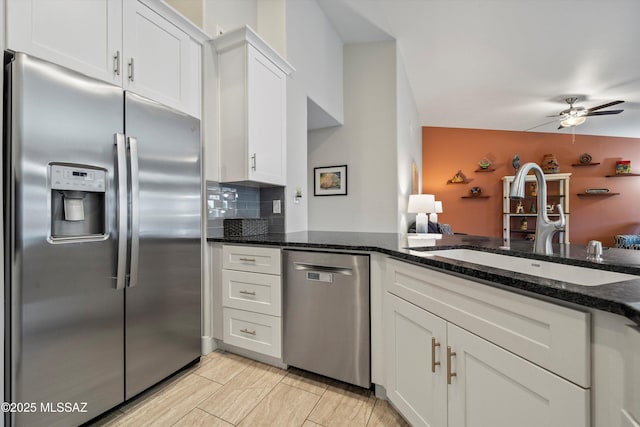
(228, 390)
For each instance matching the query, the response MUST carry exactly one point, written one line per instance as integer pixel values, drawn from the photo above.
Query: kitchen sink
(549, 270)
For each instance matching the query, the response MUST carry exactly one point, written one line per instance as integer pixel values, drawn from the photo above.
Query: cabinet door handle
(450, 374)
(434, 344)
(116, 63)
(253, 162)
(246, 331)
(131, 69)
(248, 259)
(247, 293)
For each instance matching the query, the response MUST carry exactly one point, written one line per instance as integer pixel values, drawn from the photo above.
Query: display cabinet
(519, 217)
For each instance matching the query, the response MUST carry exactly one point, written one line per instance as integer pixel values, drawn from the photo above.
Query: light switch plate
(277, 207)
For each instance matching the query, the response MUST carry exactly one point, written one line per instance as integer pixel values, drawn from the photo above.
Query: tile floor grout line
(375, 403)
(257, 404)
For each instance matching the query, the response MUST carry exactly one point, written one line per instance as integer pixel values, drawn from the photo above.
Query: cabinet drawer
(554, 337)
(251, 258)
(254, 331)
(252, 291)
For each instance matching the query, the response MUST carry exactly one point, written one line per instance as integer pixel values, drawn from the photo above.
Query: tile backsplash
(243, 201)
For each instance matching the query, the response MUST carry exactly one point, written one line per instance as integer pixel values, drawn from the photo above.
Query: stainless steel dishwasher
(326, 314)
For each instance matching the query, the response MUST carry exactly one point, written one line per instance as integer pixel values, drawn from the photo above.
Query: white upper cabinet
(142, 45)
(253, 108)
(160, 61)
(83, 35)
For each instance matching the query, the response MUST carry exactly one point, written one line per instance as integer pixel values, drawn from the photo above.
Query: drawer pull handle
(434, 344)
(450, 374)
(246, 331)
(248, 259)
(247, 293)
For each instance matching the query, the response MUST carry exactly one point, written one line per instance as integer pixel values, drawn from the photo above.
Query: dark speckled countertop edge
(622, 298)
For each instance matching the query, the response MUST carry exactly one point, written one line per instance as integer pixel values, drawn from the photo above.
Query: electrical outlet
(277, 207)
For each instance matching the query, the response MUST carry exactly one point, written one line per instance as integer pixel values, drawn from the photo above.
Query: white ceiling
(507, 64)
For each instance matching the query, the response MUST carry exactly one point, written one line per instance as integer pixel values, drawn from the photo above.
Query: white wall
(271, 25)
(229, 14)
(409, 144)
(192, 9)
(366, 143)
(315, 50)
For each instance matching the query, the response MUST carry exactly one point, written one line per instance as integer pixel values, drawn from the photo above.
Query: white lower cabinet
(416, 382)
(493, 387)
(253, 331)
(439, 374)
(252, 298)
(631, 409)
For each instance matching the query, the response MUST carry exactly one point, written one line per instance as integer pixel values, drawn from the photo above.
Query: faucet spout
(545, 228)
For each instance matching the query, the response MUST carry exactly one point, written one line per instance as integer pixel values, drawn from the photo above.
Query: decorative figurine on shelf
(549, 208)
(623, 166)
(523, 224)
(532, 208)
(585, 158)
(519, 207)
(458, 177)
(484, 163)
(533, 189)
(516, 162)
(476, 191)
(550, 164)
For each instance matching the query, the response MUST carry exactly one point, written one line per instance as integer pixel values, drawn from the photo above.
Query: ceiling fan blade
(609, 104)
(604, 113)
(560, 127)
(540, 125)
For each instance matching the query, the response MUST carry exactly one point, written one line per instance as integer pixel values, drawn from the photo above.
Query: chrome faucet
(545, 228)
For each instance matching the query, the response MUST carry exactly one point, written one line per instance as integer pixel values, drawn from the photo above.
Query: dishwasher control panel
(317, 276)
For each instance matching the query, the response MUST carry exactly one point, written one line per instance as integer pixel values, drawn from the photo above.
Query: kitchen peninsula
(622, 298)
(570, 345)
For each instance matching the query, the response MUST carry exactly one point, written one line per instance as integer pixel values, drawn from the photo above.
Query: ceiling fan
(574, 116)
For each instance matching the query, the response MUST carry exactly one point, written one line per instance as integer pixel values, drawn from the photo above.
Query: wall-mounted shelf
(485, 170)
(466, 181)
(620, 175)
(597, 194)
(475, 197)
(533, 214)
(586, 164)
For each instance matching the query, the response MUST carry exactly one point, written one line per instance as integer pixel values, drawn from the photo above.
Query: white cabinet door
(493, 387)
(631, 410)
(82, 35)
(161, 61)
(266, 89)
(416, 382)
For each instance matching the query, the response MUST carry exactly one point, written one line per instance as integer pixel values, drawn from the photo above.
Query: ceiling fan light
(572, 121)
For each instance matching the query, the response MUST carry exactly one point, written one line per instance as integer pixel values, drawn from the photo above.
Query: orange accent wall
(447, 150)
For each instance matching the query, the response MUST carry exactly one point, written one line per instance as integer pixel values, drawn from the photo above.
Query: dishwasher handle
(347, 271)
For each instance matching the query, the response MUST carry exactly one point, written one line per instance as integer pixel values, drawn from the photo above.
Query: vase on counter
(550, 164)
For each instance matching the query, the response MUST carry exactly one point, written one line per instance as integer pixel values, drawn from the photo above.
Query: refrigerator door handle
(121, 171)
(132, 143)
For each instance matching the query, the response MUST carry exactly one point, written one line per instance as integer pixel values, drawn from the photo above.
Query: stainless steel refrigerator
(102, 244)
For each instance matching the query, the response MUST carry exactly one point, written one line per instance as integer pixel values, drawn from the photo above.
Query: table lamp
(421, 204)
(433, 216)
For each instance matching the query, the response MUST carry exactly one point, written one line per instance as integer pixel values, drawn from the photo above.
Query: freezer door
(65, 340)
(163, 297)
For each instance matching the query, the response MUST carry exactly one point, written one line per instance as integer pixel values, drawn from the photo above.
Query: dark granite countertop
(621, 298)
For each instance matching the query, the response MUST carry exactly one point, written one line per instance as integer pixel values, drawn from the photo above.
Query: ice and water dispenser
(78, 204)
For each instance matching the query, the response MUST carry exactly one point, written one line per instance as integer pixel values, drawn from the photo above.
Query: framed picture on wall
(330, 181)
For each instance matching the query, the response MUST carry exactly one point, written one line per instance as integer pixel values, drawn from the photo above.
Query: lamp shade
(438, 206)
(421, 203)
